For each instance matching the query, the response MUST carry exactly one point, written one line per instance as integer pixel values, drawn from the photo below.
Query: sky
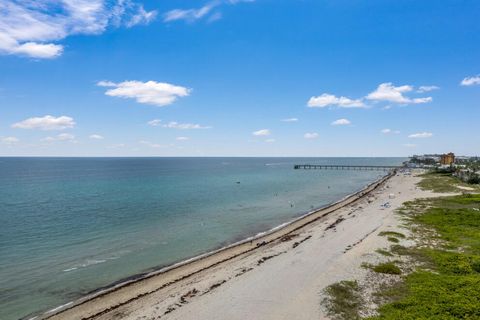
(239, 77)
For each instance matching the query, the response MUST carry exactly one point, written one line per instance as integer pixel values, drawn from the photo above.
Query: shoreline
(124, 291)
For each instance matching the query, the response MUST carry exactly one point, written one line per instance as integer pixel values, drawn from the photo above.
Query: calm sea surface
(71, 225)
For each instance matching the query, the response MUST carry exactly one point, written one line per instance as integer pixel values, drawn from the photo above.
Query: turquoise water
(71, 225)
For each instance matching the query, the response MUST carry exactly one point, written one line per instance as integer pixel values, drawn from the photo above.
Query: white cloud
(9, 140)
(421, 100)
(421, 135)
(96, 137)
(262, 132)
(184, 126)
(326, 99)
(341, 122)
(194, 14)
(46, 123)
(388, 92)
(60, 137)
(471, 81)
(189, 15)
(270, 140)
(176, 125)
(154, 122)
(388, 131)
(423, 89)
(310, 135)
(31, 28)
(141, 17)
(150, 92)
(150, 144)
(290, 120)
(38, 50)
(182, 138)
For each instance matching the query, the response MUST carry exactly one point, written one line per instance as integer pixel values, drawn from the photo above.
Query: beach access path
(283, 279)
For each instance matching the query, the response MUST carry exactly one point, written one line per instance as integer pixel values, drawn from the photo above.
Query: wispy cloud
(182, 138)
(150, 92)
(262, 132)
(154, 122)
(290, 120)
(271, 140)
(208, 11)
(141, 17)
(389, 131)
(176, 125)
(190, 14)
(32, 28)
(327, 99)
(421, 135)
(390, 93)
(341, 122)
(471, 81)
(46, 123)
(9, 140)
(151, 144)
(60, 137)
(311, 135)
(423, 89)
(96, 137)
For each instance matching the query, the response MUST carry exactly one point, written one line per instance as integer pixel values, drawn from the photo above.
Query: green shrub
(384, 252)
(343, 300)
(388, 268)
(392, 234)
(392, 239)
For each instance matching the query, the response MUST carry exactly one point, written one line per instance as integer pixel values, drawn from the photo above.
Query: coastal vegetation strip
(445, 183)
(436, 278)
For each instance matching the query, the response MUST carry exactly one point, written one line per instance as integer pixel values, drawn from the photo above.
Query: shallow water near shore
(71, 225)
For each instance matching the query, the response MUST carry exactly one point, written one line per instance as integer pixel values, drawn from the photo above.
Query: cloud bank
(32, 28)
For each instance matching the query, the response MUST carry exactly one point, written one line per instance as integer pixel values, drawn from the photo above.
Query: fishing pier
(344, 167)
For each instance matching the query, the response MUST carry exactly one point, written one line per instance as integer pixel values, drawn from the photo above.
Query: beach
(279, 275)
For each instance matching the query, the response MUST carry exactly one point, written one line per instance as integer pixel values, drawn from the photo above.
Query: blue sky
(239, 78)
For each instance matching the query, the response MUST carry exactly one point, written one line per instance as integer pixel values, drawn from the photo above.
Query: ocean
(71, 225)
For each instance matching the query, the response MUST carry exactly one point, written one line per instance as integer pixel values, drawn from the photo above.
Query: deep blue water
(71, 225)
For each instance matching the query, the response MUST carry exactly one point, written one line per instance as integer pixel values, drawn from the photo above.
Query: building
(447, 159)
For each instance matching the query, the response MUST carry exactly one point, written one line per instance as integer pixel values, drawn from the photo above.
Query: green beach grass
(445, 183)
(445, 284)
(448, 287)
